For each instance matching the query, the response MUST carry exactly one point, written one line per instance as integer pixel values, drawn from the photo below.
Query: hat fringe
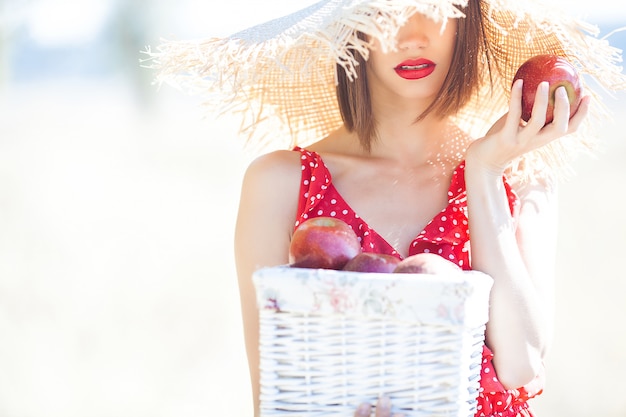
(231, 61)
(235, 73)
(255, 74)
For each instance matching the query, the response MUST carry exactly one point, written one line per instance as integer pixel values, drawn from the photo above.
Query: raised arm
(265, 222)
(518, 253)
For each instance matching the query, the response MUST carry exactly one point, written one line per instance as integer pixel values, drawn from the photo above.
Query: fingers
(510, 137)
(579, 116)
(512, 118)
(564, 122)
(515, 105)
(561, 109)
(383, 409)
(364, 410)
(540, 107)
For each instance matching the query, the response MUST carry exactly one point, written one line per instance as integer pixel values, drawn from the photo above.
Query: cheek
(451, 39)
(451, 32)
(449, 42)
(377, 59)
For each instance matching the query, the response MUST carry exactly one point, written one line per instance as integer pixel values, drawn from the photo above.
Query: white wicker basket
(330, 340)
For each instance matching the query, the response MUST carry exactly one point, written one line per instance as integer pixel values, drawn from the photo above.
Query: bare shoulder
(276, 169)
(277, 162)
(267, 210)
(270, 187)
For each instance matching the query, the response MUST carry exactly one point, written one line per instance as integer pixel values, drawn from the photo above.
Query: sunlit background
(118, 296)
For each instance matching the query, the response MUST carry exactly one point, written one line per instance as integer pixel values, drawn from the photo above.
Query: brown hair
(460, 83)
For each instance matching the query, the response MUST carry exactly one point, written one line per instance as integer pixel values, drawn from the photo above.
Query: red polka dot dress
(446, 234)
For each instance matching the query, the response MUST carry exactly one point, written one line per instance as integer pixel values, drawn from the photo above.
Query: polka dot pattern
(446, 234)
(318, 197)
(495, 401)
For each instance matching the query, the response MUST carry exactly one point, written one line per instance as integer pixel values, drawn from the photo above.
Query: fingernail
(384, 402)
(364, 410)
(561, 91)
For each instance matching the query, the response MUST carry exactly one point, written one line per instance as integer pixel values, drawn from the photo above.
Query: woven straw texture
(280, 76)
(330, 340)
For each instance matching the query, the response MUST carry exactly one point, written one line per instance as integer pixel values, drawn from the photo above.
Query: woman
(404, 171)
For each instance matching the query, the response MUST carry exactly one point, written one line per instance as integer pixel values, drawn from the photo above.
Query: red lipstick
(414, 69)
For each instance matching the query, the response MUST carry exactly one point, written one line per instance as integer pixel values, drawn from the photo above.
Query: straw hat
(279, 77)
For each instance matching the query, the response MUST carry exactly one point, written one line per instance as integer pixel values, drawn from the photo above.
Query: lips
(414, 69)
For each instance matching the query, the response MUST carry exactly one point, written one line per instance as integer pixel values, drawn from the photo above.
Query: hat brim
(279, 77)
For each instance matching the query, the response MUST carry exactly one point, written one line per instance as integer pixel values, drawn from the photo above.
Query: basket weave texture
(330, 340)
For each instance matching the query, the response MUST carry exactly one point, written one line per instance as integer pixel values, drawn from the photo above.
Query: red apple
(372, 262)
(426, 263)
(557, 71)
(323, 242)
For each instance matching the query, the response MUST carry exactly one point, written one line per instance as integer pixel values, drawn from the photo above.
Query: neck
(399, 136)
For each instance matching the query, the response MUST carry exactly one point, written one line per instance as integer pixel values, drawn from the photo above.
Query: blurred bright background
(118, 295)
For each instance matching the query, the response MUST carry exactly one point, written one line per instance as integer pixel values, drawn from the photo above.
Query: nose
(416, 32)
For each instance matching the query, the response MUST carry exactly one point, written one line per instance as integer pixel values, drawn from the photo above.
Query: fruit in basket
(323, 242)
(372, 262)
(426, 263)
(557, 71)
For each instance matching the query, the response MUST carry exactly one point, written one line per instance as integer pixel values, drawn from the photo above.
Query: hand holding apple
(557, 71)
